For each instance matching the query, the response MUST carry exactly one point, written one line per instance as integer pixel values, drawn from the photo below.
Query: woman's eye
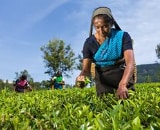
(97, 27)
(105, 26)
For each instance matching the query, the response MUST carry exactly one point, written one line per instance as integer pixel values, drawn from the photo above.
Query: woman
(112, 52)
(22, 84)
(58, 81)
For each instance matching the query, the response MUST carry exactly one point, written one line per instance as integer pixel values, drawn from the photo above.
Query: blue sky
(26, 25)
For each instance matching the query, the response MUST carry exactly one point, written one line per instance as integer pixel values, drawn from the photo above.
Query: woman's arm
(122, 91)
(86, 67)
(129, 69)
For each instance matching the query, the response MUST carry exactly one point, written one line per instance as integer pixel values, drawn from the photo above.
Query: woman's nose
(101, 30)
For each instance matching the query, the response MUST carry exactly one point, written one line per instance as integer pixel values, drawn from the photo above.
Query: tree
(2, 84)
(79, 64)
(36, 85)
(158, 51)
(46, 84)
(148, 79)
(58, 56)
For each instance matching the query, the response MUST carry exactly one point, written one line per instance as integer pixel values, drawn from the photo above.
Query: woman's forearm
(128, 73)
(129, 69)
(86, 67)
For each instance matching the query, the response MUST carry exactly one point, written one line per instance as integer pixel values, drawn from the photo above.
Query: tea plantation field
(80, 109)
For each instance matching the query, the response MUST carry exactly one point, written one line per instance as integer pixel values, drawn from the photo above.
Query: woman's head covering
(23, 77)
(103, 10)
(59, 73)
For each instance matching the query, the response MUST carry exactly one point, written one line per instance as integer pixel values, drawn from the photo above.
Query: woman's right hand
(80, 81)
(80, 78)
(85, 71)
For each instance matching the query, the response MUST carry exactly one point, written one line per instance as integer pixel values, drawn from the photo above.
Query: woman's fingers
(80, 78)
(123, 95)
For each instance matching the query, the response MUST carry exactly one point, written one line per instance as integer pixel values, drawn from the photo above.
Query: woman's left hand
(122, 92)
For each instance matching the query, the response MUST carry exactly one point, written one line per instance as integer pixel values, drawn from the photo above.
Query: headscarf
(103, 10)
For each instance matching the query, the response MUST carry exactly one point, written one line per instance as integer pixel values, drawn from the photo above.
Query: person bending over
(110, 48)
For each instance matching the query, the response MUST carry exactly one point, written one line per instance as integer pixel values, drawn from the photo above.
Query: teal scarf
(110, 50)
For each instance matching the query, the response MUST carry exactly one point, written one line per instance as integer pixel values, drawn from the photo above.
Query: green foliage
(81, 109)
(148, 79)
(37, 85)
(82, 84)
(2, 84)
(58, 56)
(46, 84)
(87, 80)
(158, 51)
(5, 85)
(148, 73)
(79, 64)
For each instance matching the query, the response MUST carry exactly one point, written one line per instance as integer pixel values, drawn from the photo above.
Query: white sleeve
(54, 78)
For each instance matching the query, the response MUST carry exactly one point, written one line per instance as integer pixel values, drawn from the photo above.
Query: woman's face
(101, 27)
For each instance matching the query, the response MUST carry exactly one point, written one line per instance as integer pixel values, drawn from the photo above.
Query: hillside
(148, 73)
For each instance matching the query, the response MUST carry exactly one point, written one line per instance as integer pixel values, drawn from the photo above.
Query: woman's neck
(100, 39)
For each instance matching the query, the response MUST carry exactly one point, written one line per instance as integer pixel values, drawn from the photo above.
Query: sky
(27, 25)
